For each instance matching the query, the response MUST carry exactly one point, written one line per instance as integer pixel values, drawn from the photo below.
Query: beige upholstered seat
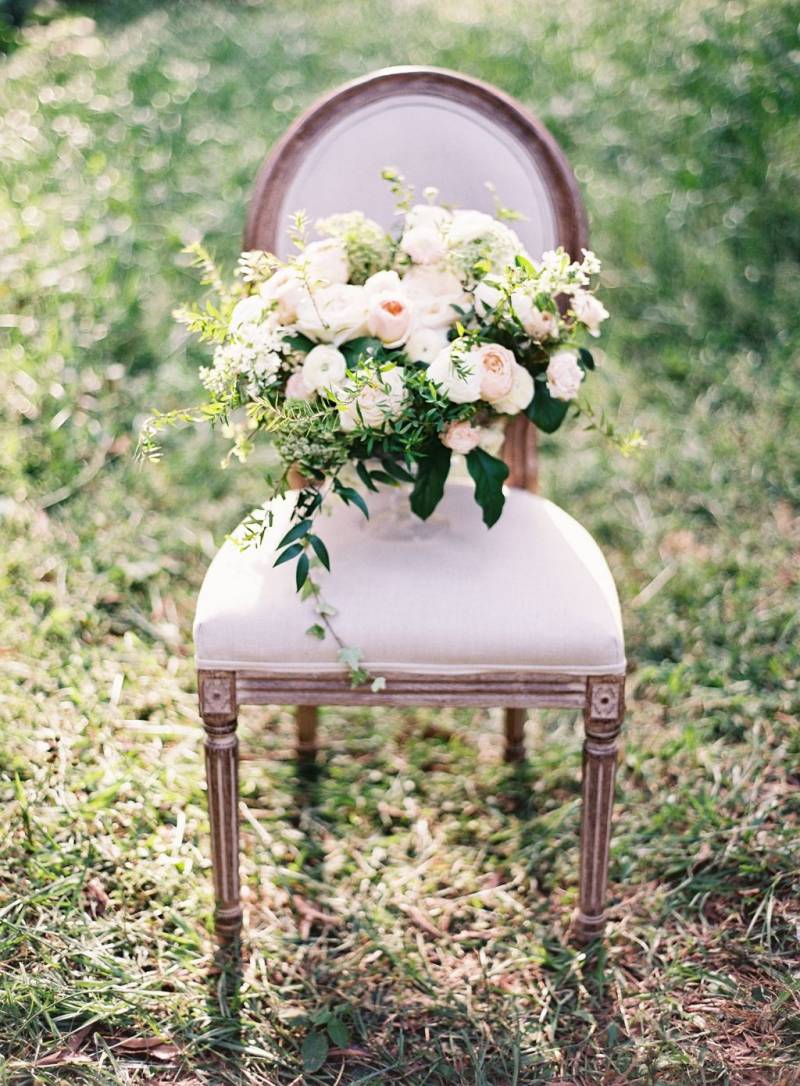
(449, 595)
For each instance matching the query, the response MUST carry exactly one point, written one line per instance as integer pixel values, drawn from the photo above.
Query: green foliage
(433, 467)
(488, 473)
(544, 410)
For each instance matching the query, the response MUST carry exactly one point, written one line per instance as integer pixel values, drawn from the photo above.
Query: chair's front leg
(217, 691)
(515, 735)
(602, 715)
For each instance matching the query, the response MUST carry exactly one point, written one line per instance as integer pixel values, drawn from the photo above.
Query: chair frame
(601, 697)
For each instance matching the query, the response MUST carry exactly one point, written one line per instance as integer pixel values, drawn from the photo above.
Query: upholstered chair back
(437, 128)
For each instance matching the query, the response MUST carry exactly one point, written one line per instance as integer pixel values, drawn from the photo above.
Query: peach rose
(496, 366)
(564, 375)
(297, 389)
(389, 317)
(461, 436)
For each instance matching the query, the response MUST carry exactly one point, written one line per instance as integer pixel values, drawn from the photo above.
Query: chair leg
(602, 715)
(515, 735)
(307, 718)
(218, 710)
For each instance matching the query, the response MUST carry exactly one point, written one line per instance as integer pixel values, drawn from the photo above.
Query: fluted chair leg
(307, 718)
(218, 710)
(603, 713)
(515, 735)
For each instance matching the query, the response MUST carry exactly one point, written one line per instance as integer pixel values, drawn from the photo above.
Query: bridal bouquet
(370, 358)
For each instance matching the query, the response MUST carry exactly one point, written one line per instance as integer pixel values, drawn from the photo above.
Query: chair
(542, 633)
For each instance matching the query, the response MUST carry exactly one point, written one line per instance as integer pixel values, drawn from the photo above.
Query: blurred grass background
(411, 901)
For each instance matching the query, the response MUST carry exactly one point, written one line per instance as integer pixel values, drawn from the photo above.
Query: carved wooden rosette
(217, 690)
(603, 714)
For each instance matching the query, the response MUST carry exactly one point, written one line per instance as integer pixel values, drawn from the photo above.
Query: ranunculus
(296, 387)
(389, 317)
(382, 280)
(284, 289)
(325, 262)
(424, 244)
(434, 291)
(540, 324)
(564, 375)
(589, 311)
(424, 344)
(247, 312)
(462, 437)
(468, 226)
(496, 365)
(519, 396)
(333, 314)
(373, 403)
(459, 382)
(323, 367)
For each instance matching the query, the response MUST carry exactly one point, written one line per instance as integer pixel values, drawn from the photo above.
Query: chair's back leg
(217, 691)
(515, 735)
(602, 715)
(307, 718)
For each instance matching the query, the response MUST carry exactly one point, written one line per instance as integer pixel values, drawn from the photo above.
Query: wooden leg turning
(603, 713)
(218, 709)
(515, 735)
(307, 718)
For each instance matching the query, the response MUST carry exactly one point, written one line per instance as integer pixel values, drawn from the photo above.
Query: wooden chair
(544, 628)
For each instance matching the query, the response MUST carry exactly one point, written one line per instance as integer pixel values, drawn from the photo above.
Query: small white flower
(589, 311)
(323, 367)
(564, 375)
(520, 395)
(372, 403)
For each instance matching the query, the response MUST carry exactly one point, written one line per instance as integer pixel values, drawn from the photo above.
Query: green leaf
(364, 476)
(289, 554)
(489, 474)
(357, 349)
(347, 494)
(545, 411)
(320, 550)
(317, 631)
(301, 572)
(351, 657)
(585, 358)
(338, 1032)
(432, 472)
(314, 1051)
(299, 342)
(297, 532)
(397, 471)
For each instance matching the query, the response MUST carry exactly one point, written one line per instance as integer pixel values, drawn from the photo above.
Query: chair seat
(533, 593)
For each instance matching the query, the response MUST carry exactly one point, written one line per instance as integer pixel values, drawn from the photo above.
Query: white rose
(389, 317)
(424, 244)
(374, 403)
(382, 280)
(540, 324)
(325, 261)
(323, 367)
(430, 216)
(589, 311)
(284, 289)
(461, 383)
(564, 375)
(424, 344)
(487, 294)
(520, 395)
(434, 291)
(333, 314)
(468, 226)
(462, 437)
(247, 312)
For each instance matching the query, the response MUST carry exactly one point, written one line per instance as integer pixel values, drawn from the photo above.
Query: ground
(408, 901)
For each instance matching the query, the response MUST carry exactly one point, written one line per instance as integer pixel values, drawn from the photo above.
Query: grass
(411, 898)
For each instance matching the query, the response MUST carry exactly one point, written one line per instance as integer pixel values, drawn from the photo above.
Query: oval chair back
(437, 128)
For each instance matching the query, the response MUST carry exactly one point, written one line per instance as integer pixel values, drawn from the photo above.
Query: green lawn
(412, 898)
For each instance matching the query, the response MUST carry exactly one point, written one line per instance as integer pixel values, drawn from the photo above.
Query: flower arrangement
(371, 358)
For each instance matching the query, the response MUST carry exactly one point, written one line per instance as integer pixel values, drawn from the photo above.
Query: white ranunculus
(540, 324)
(434, 291)
(461, 383)
(333, 314)
(468, 226)
(375, 403)
(283, 290)
(382, 280)
(520, 395)
(323, 367)
(247, 312)
(424, 344)
(430, 216)
(487, 294)
(424, 244)
(325, 262)
(564, 375)
(589, 311)
(389, 317)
